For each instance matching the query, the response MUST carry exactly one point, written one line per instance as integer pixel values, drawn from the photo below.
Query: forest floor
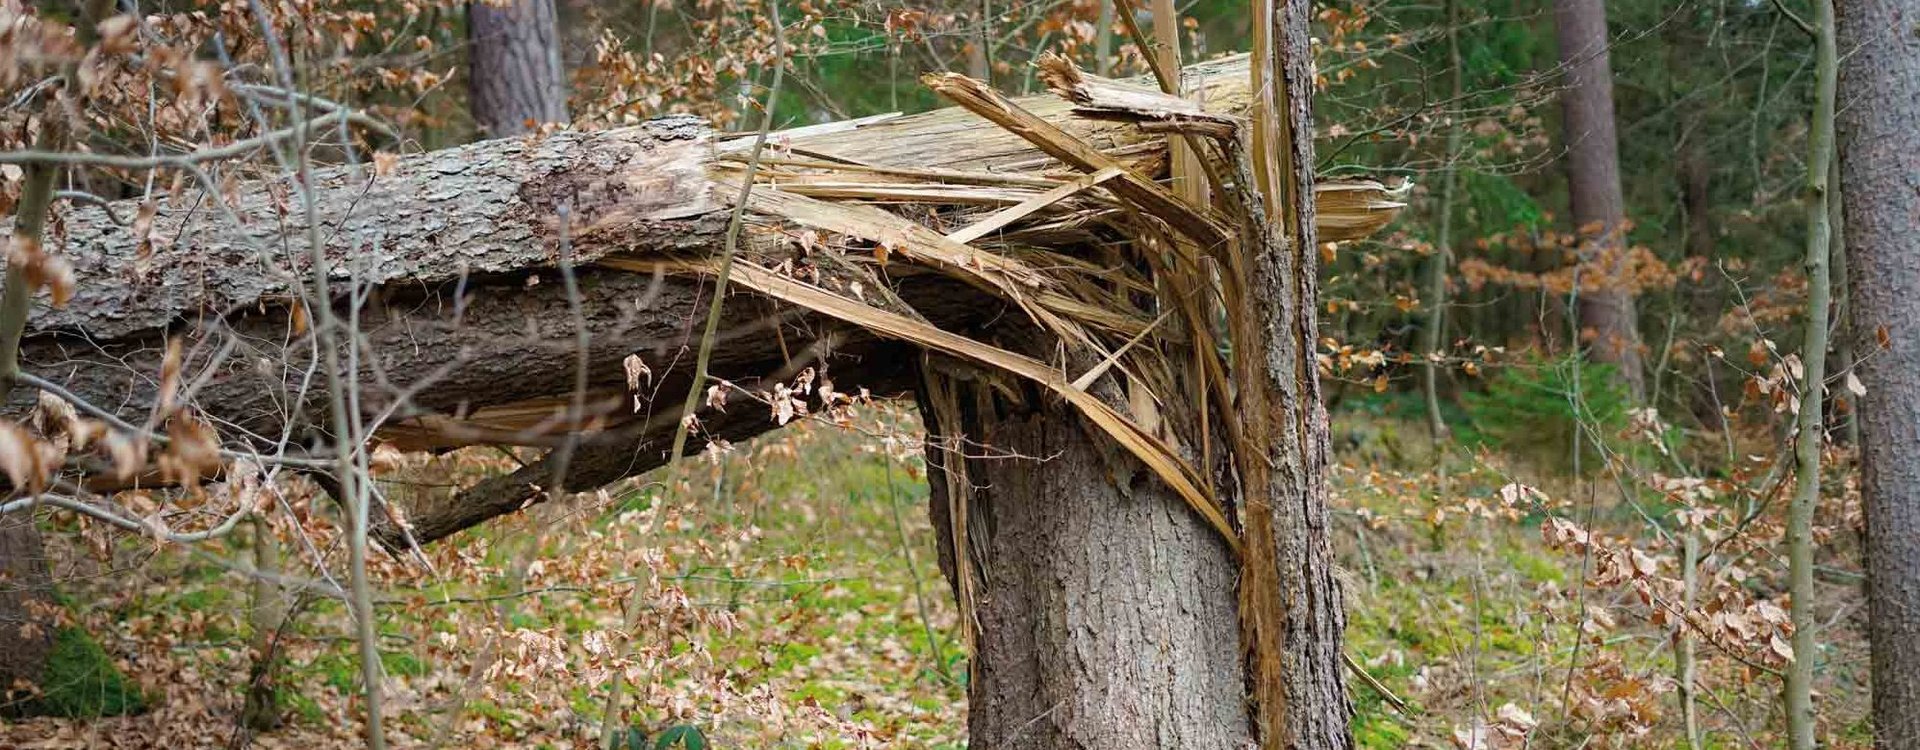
(788, 595)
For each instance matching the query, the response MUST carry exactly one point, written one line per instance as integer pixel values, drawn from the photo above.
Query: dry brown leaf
(192, 451)
(21, 458)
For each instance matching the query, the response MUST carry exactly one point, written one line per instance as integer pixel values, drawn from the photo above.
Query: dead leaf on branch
(41, 270)
(192, 452)
(24, 458)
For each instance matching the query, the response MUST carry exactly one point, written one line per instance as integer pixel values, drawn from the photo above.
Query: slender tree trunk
(980, 53)
(1801, 719)
(1879, 134)
(1684, 646)
(516, 79)
(26, 608)
(1103, 40)
(268, 610)
(1607, 317)
(1695, 181)
(1432, 331)
(1104, 607)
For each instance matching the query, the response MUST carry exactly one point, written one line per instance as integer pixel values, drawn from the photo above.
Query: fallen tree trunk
(465, 333)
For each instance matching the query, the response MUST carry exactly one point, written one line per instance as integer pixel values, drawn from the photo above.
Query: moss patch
(82, 681)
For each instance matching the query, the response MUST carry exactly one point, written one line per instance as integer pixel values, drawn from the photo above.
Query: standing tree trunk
(516, 80)
(1847, 406)
(1879, 135)
(1607, 316)
(267, 615)
(26, 603)
(1286, 489)
(1801, 718)
(1104, 607)
(1432, 329)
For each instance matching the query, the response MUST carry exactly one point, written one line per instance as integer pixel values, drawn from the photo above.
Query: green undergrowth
(81, 681)
(819, 548)
(1442, 580)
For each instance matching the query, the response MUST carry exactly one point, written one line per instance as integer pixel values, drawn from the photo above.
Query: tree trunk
(1879, 134)
(1801, 717)
(26, 610)
(1433, 325)
(1606, 310)
(1286, 284)
(467, 332)
(267, 613)
(516, 80)
(1104, 607)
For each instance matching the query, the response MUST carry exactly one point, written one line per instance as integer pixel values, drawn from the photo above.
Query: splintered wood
(1138, 282)
(984, 226)
(1087, 244)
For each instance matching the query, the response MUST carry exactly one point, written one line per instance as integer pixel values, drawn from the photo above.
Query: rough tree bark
(1593, 183)
(1879, 136)
(515, 79)
(1104, 606)
(1286, 283)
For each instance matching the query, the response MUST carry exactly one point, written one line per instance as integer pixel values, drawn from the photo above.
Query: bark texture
(516, 80)
(1879, 135)
(1606, 313)
(455, 255)
(26, 602)
(1105, 607)
(1286, 279)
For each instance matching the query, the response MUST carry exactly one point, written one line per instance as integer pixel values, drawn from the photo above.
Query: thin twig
(1374, 683)
(1806, 28)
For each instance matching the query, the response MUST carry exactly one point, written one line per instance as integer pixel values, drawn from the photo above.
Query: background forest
(1560, 482)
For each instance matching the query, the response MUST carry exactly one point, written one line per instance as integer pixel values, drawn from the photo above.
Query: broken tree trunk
(480, 284)
(465, 333)
(1104, 613)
